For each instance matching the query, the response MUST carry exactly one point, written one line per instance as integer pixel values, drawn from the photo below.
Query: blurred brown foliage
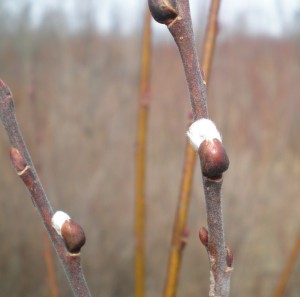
(80, 128)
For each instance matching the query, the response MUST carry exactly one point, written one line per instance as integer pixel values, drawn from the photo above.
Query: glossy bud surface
(213, 158)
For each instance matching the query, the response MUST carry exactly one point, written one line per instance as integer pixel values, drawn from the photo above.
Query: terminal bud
(163, 11)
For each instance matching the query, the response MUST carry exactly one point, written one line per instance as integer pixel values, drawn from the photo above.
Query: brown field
(76, 100)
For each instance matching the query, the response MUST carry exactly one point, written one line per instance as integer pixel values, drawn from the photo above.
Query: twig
(39, 139)
(210, 39)
(285, 275)
(71, 237)
(140, 160)
(213, 158)
(179, 229)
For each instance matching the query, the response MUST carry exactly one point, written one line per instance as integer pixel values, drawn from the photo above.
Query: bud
(58, 219)
(201, 130)
(17, 159)
(163, 11)
(229, 257)
(72, 233)
(213, 158)
(203, 236)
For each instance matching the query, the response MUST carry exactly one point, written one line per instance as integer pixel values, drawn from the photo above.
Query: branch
(141, 138)
(180, 230)
(210, 38)
(287, 271)
(39, 139)
(69, 237)
(206, 140)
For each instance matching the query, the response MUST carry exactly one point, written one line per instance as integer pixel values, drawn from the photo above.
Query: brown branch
(212, 155)
(67, 245)
(178, 236)
(39, 138)
(180, 26)
(140, 159)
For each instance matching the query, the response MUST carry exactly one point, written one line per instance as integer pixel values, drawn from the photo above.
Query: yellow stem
(285, 275)
(178, 237)
(140, 160)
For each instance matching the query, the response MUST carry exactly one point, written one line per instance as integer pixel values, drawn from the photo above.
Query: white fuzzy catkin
(58, 220)
(203, 129)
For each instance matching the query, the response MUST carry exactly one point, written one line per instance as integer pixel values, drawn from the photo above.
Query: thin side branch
(143, 111)
(25, 169)
(210, 39)
(285, 275)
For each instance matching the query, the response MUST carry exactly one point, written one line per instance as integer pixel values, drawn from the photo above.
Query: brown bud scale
(163, 11)
(229, 257)
(203, 236)
(73, 236)
(213, 158)
(17, 159)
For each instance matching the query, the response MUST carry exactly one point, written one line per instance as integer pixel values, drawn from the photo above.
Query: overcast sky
(258, 16)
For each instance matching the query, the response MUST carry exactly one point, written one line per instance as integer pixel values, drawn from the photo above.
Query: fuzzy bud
(207, 140)
(201, 130)
(72, 233)
(58, 219)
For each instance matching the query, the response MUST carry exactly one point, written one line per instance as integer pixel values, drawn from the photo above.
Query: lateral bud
(73, 235)
(213, 158)
(229, 256)
(17, 159)
(71, 232)
(203, 236)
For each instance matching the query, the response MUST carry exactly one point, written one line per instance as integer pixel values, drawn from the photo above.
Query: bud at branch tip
(201, 130)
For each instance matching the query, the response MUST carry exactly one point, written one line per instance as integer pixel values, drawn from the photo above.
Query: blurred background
(73, 67)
